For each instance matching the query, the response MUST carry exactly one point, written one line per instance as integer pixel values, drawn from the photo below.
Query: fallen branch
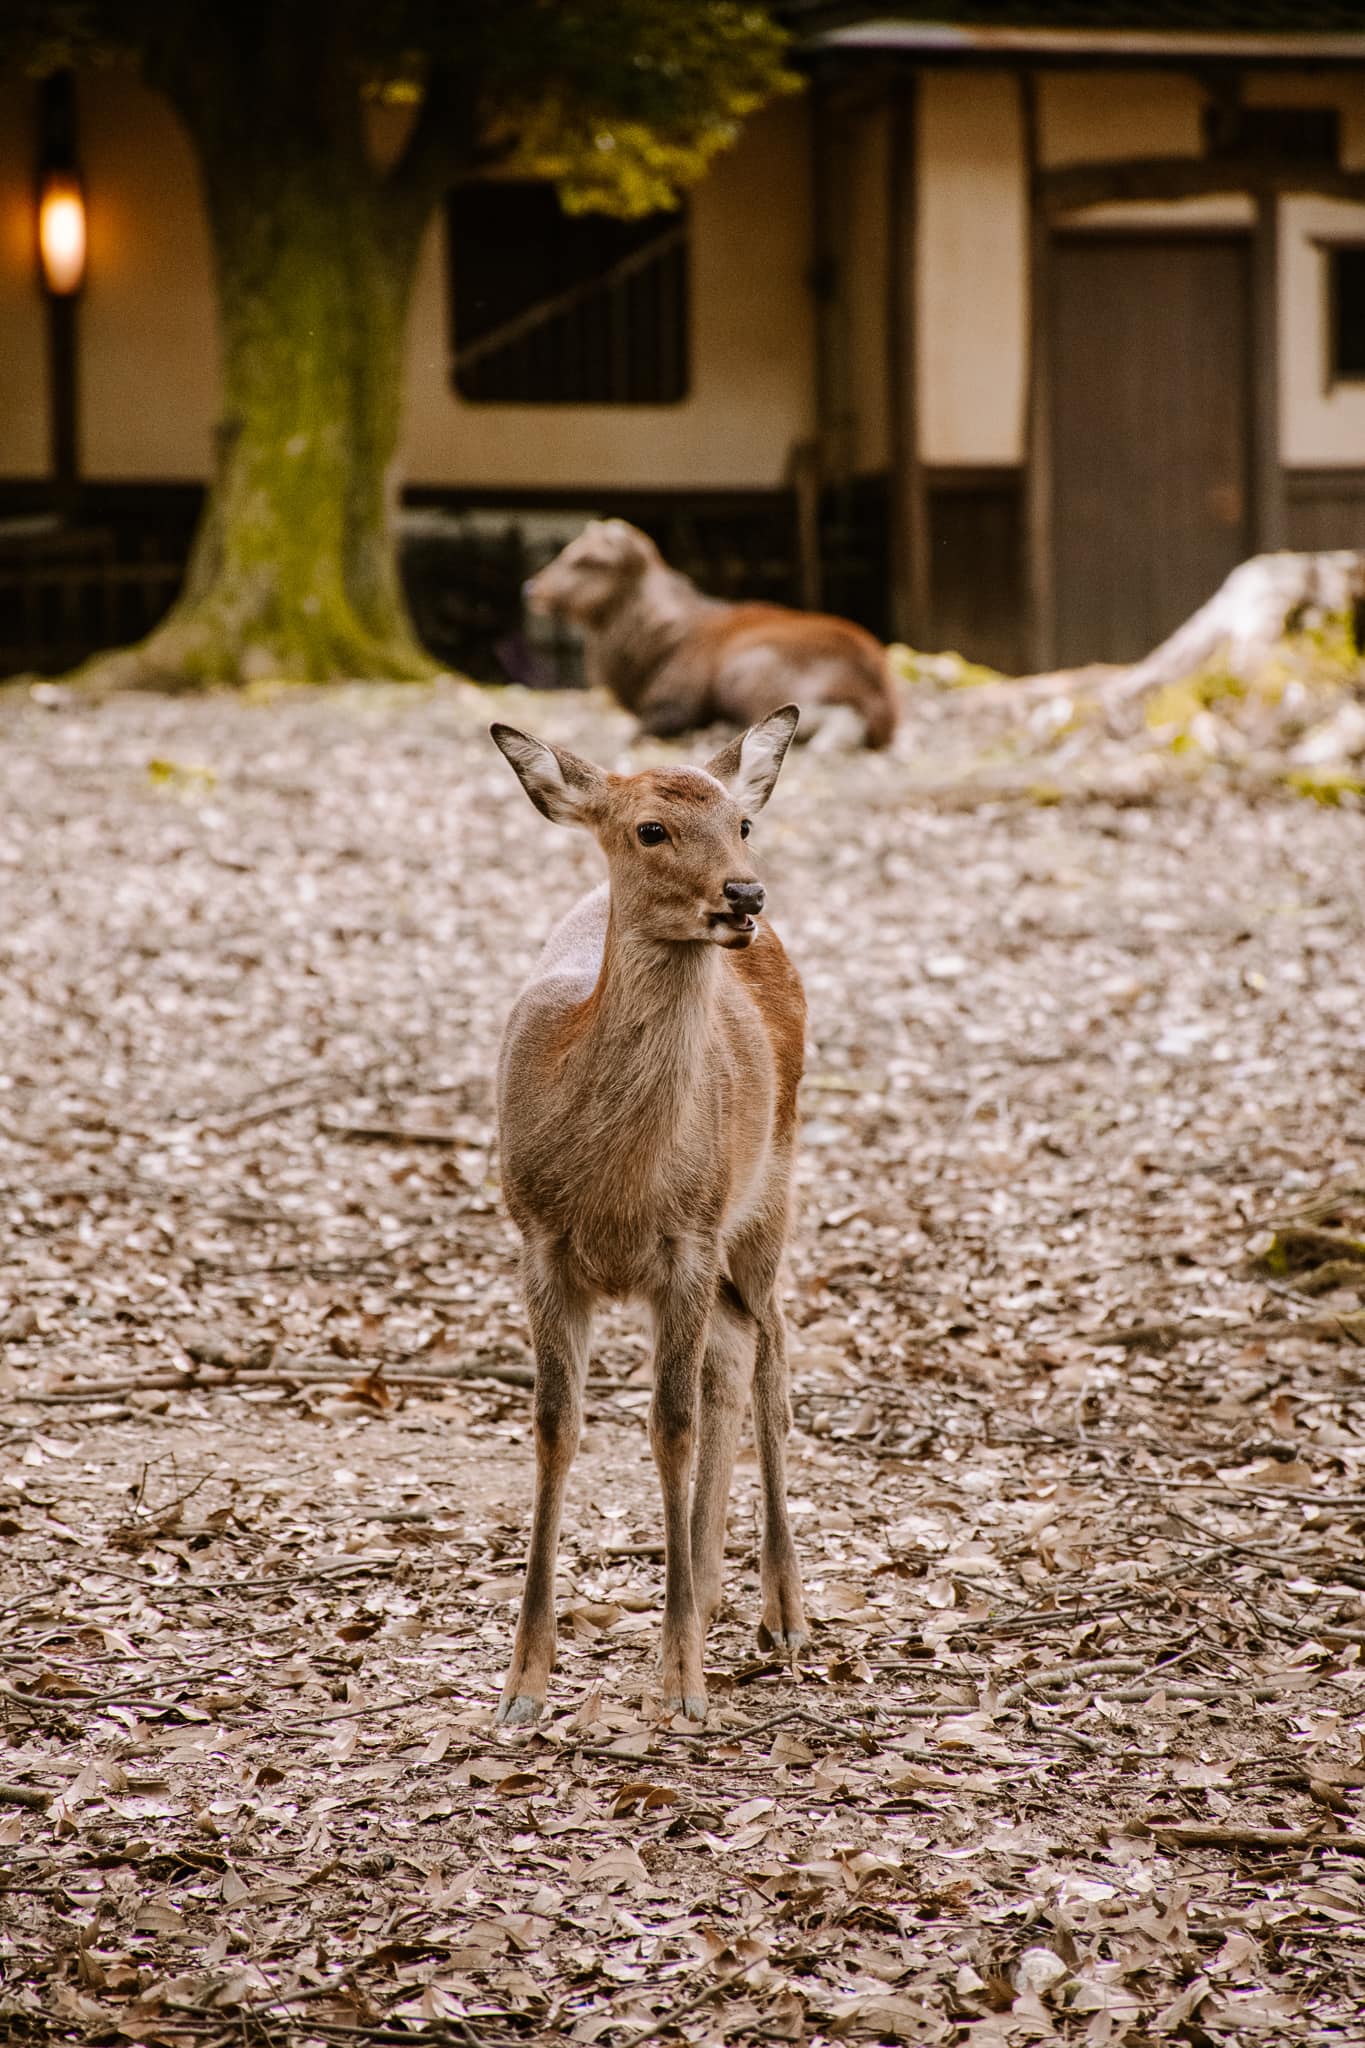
(343, 1376)
(25, 1795)
(1156, 1336)
(1050, 1677)
(1189, 1693)
(1193, 1835)
(291, 1376)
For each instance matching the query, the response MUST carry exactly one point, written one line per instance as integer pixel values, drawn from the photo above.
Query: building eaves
(1256, 30)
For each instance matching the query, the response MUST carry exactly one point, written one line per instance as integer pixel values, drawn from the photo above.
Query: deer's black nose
(745, 896)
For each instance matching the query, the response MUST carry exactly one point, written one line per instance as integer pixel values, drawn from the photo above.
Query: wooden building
(1013, 333)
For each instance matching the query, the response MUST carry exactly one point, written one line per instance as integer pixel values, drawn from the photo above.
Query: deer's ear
(562, 787)
(748, 766)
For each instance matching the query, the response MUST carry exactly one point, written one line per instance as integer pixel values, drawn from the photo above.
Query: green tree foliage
(623, 102)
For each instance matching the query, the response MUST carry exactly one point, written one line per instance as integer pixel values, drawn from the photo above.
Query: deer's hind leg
(726, 1375)
(783, 1624)
(560, 1321)
(755, 1261)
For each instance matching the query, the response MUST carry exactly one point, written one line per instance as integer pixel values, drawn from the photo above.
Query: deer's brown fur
(678, 659)
(647, 1116)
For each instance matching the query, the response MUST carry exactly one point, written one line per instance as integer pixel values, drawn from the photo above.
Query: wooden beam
(909, 536)
(814, 457)
(1072, 186)
(63, 401)
(1040, 551)
(1268, 522)
(57, 113)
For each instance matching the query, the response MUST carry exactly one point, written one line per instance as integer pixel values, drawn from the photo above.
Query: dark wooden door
(1151, 413)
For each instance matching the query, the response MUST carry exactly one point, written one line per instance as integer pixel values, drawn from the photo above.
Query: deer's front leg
(559, 1321)
(680, 1318)
(726, 1373)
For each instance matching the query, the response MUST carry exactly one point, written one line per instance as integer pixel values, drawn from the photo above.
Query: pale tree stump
(1265, 600)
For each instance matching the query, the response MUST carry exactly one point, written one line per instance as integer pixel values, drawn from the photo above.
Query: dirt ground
(1079, 1485)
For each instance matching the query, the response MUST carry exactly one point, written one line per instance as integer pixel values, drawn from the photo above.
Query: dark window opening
(1299, 135)
(549, 308)
(1346, 314)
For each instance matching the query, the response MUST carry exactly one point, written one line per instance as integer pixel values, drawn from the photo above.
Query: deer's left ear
(749, 765)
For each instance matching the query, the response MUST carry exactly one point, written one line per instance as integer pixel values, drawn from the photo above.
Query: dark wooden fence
(69, 589)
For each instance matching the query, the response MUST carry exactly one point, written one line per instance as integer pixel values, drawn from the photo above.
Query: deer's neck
(648, 1024)
(633, 642)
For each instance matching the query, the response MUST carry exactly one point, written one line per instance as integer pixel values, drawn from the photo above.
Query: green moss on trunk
(294, 570)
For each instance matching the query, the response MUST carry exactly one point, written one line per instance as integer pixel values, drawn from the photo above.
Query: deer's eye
(745, 828)
(650, 834)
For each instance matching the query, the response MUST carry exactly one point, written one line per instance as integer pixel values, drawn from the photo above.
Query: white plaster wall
(148, 340)
(751, 394)
(23, 324)
(149, 363)
(1319, 427)
(1097, 116)
(972, 271)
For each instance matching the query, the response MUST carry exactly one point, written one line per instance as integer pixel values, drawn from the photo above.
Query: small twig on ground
(748, 1732)
(412, 1699)
(689, 2005)
(389, 1134)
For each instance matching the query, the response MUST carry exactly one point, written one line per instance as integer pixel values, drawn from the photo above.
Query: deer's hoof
(690, 1704)
(521, 1708)
(787, 1642)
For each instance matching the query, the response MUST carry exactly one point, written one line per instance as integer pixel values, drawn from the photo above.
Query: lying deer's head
(674, 837)
(593, 573)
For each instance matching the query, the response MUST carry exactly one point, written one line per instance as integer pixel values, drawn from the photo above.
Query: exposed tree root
(204, 646)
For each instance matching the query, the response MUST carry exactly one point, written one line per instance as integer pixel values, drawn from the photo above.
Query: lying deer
(678, 659)
(647, 1115)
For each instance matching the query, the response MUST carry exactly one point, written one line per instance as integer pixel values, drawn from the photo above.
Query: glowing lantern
(61, 233)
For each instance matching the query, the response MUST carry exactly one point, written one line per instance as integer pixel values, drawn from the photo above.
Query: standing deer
(647, 1115)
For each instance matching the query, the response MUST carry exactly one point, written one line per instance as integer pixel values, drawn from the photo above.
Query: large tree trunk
(294, 570)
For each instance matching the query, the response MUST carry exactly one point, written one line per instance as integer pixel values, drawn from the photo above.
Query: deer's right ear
(562, 787)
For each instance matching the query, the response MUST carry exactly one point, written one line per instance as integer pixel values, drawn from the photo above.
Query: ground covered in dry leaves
(1078, 1474)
